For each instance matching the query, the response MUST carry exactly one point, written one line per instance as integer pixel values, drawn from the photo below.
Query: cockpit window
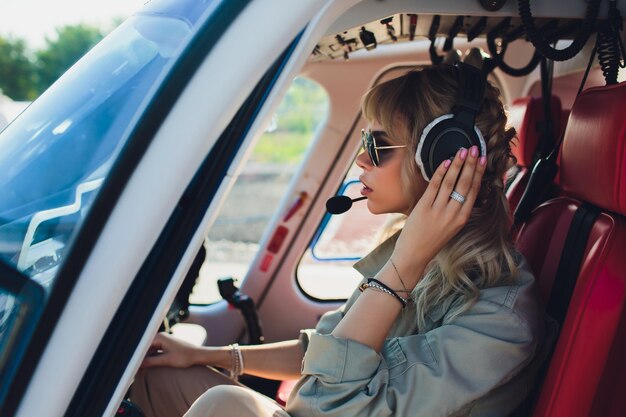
(57, 154)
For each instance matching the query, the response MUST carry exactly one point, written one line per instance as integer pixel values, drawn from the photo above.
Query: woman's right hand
(167, 350)
(437, 218)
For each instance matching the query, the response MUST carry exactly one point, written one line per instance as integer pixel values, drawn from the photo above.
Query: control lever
(245, 304)
(129, 409)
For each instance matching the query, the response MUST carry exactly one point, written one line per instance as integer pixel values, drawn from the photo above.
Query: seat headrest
(593, 159)
(526, 115)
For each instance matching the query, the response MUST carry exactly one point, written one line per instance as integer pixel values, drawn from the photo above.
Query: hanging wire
(498, 59)
(543, 45)
(609, 45)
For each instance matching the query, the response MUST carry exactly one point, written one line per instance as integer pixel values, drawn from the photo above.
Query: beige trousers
(198, 391)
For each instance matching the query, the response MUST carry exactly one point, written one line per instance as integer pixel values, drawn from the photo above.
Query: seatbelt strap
(570, 262)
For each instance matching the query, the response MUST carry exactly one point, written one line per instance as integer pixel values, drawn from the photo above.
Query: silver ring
(457, 197)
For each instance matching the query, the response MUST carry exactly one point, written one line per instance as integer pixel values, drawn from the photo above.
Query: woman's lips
(365, 190)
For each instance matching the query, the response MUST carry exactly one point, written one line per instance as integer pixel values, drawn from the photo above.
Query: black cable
(555, 151)
(608, 55)
(584, 80)
(547, 127)
(454, 30)
(498, 59)
(615, 21)
(543, 172)
(435, 58)
(608, 44)
(543, 45)
(501, 30)
(477, 29)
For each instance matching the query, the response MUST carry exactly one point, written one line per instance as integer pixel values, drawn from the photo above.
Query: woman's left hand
(437, 217)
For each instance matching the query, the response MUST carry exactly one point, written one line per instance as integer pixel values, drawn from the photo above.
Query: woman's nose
(363, 161)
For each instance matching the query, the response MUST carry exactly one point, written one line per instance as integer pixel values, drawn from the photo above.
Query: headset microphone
(340, 204)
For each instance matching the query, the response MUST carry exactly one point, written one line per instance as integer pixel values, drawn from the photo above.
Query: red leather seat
(526, 116)
(587, 373)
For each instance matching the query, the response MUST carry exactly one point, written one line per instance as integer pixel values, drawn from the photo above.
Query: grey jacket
(481, 363)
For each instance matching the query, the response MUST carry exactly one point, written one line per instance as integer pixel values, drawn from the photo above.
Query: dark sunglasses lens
(370, 147)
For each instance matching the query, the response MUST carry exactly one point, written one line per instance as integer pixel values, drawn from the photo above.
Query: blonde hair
(481, 255)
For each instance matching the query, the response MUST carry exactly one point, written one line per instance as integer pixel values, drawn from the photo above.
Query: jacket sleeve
(431, 374)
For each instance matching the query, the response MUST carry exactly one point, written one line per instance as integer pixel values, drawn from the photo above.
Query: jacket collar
(374, 261)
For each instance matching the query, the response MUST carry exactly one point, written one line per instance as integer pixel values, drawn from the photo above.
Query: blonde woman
(446, 321)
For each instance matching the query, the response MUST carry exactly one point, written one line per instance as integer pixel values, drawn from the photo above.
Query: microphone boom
(340, 204)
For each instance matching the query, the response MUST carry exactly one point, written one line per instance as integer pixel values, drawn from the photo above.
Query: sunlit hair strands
(481, 255)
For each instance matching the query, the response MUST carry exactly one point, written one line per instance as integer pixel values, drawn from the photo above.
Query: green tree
(70, 44)
(304, 107)
(17, 72)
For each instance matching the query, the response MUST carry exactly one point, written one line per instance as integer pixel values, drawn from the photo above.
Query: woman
(449, 325)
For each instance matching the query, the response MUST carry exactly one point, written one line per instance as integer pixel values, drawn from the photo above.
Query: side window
(325, 271)
(234, 238)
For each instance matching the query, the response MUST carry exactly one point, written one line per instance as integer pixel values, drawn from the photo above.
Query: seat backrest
(586, 376)
(526, 115)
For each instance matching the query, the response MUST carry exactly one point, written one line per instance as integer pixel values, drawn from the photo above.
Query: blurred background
(40, 40)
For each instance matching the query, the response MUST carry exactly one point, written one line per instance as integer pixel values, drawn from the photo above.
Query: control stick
(245, 304)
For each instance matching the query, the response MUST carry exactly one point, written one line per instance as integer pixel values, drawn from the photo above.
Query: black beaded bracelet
(388, 290)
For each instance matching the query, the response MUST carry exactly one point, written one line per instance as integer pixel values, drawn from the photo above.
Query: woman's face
(382, 184)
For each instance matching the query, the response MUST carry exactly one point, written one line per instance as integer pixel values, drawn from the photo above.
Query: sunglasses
(369, 145)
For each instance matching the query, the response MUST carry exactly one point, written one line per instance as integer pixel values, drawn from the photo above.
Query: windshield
(55, 156)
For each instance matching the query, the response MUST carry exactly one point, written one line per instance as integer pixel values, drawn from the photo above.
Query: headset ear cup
(441, 140)
(424, 144)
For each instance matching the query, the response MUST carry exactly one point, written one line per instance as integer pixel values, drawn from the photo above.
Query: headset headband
(470, 92)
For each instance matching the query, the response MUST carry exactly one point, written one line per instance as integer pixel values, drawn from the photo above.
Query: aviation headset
(444, 136)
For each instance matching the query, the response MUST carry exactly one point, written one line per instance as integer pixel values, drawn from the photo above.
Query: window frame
(241, 278)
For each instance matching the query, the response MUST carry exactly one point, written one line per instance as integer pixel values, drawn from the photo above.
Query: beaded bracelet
(237, 359)
(374, 283)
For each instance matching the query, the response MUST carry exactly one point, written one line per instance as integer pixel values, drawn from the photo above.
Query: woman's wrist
(200, 356)
(212, 356)
(408, 271)
(389, 275)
